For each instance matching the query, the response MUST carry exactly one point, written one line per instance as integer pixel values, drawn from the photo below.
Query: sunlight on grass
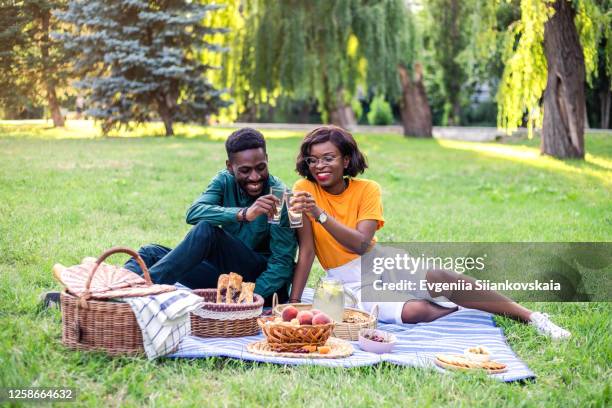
(594, 166)
(88, 129)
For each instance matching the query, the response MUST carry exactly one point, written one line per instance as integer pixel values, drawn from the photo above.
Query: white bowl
(376, 346)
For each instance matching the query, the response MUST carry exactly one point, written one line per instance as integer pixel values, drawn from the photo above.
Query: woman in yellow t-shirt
(342, 215)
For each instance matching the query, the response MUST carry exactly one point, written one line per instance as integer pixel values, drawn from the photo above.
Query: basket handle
(274, 301)
(352, 297)
(374, 312)
(110, 252)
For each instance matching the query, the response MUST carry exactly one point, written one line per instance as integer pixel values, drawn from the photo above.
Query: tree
(415, 110)
(550, 53)
(32, 64)
(447, 37)
(140, 57)
(564, 100)
(322, 50)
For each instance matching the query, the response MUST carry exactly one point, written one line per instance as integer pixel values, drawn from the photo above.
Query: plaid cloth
(163, 319)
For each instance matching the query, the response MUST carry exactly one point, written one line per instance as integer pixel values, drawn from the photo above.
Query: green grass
(66, 194)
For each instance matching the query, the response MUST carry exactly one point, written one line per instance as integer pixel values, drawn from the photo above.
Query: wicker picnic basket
(352, 321)
(284, 337)
(225, 320)
(102, 325)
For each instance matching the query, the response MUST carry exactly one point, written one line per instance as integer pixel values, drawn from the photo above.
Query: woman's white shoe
(545, 327)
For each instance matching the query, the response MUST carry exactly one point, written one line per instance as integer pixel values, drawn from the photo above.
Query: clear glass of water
(295, 217)
(279, 193)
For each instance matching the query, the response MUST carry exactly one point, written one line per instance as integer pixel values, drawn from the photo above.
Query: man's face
(250, 168)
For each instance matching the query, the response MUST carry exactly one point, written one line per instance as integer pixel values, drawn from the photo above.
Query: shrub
(380, 112)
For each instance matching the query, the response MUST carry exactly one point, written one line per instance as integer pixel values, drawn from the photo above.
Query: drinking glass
(278, 192)
(295, 217)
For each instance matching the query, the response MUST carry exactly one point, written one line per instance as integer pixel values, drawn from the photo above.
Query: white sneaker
(545, 327)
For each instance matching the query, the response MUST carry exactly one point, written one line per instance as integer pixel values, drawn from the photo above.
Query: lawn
(66, 194)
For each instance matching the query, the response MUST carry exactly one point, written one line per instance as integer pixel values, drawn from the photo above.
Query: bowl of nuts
(376, 341)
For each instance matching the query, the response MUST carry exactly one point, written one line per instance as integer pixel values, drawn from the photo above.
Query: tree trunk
(564, 99)
(415, 110)
(343, 116)
(340, 113)
(165, 114)
(54, 108)
(336, 111)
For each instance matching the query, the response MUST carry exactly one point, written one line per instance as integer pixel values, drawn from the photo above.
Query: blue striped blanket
(417, 345)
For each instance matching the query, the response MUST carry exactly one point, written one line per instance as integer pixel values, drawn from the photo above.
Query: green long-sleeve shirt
(219, 205)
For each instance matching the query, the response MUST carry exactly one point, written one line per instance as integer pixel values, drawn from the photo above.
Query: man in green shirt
(231, 232)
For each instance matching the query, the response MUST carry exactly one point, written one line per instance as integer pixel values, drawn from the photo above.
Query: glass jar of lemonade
(329, 297)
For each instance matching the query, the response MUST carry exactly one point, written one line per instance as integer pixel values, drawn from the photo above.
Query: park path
(465, 133)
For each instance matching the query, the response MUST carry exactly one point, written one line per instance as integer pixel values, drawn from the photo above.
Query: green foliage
(357, 109)
(316, 49)
(380, 112)
(447, 37)
(30, 59)
(594, 24)
(524, 79)
(142, 57)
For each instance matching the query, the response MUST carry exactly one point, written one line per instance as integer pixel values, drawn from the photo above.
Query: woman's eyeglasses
(312, 161)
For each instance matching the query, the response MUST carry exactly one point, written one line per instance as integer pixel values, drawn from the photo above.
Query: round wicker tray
(339, 348)
(225, 320)
(447, 366)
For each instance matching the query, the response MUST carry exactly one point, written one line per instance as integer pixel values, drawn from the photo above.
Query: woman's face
(326, 164)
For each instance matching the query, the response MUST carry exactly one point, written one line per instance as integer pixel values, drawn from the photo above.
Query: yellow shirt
(360, 201)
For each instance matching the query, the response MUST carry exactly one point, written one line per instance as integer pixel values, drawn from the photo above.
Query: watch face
(322, 218)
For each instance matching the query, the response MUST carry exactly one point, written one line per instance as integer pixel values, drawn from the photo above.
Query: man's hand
(304, 202)
(263, 205)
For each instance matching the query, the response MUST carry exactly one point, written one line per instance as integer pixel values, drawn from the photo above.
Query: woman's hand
(304, 202)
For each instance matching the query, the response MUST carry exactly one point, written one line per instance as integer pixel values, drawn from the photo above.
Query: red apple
(315, 311)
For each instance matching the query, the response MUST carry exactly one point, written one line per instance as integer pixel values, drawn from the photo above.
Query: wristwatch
(322, 218)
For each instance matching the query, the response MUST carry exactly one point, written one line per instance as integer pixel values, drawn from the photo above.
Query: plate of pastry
(462, 363)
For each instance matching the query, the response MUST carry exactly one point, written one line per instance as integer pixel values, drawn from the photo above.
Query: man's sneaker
(50, 299)
(545, 327)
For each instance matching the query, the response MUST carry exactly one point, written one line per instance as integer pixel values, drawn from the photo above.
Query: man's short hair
(244, 139)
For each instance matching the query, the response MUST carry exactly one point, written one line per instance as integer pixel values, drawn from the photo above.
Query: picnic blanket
(417, 345)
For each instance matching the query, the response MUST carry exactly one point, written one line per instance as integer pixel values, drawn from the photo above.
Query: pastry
(233, 288)
(246, 292)
(222, 284)
(461, 362)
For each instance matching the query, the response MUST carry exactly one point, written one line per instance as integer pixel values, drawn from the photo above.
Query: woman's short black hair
(244, 139)
(342, 139)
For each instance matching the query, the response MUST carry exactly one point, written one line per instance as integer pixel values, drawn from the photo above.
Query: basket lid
(108, 282)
